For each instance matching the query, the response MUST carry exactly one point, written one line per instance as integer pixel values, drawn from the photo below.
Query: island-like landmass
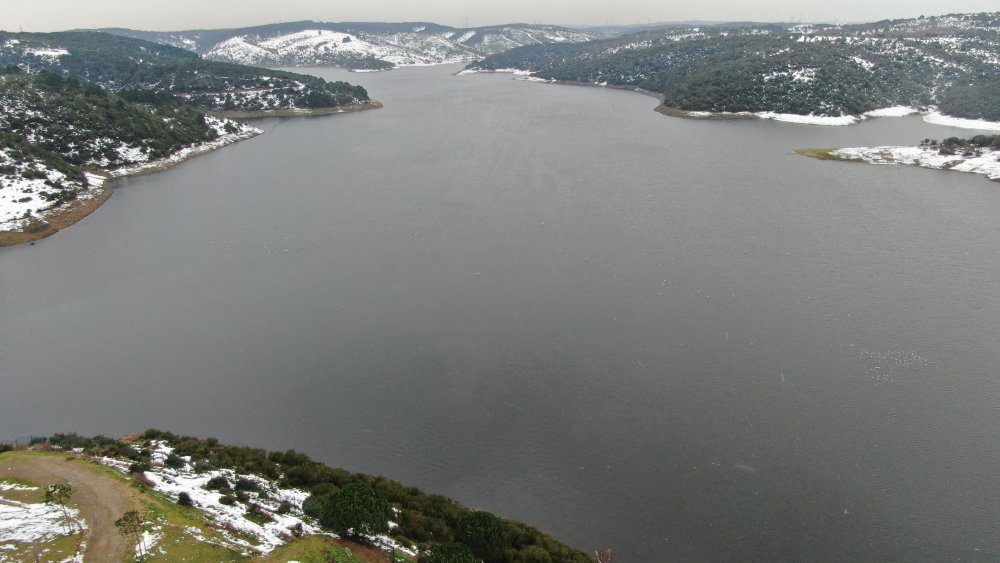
(79, 109)
(157, 496)
(979, 155)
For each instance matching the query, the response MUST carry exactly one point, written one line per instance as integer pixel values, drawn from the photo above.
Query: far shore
(685, 114)
(373, 104)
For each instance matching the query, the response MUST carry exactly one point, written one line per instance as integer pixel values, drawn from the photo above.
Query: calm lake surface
(673, 338)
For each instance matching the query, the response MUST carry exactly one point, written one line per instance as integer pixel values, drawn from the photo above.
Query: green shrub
(483, 533)
(217, 483)
(174, 461)
(450, 553)
(355, 511)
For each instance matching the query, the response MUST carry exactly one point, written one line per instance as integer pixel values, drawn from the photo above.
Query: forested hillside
(952, 62)
(52, 129)
(123, 63)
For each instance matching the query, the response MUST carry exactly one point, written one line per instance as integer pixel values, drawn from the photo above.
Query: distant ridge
(950, 62)
(358, 45)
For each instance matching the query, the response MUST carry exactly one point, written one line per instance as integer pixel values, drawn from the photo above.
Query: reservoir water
(673, 338)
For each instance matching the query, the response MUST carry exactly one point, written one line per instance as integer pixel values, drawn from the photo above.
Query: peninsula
(978, 155)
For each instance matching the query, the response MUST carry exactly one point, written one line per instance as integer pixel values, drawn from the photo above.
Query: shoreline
(983, 162)
(65, 216)
(59, 219)
(56, 219)
(263, 114)
(929, 114)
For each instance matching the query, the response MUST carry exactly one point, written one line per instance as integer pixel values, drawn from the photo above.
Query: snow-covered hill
(359, 45)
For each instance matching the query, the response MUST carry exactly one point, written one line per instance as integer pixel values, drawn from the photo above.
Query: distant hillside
(952, 62)
(56, 133)
(357, 45)
(122, 63)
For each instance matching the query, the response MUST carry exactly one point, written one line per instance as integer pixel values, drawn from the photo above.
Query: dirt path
(101, 499)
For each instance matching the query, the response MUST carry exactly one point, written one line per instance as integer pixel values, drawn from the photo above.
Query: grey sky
(55, 15)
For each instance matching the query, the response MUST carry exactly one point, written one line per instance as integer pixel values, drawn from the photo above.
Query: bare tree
(60, 494)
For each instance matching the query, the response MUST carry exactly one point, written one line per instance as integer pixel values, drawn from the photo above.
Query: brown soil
(100, 498)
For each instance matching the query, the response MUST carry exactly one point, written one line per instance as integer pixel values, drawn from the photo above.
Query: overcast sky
(55, 15)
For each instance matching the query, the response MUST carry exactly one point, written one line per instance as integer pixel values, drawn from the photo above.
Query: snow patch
(148, 541)
(30, 523)
(260, 535)
(15, 487)
(895, 111)
(938, 118)
(242, 132)
(47, 53)
(808, 119)
(983, 161)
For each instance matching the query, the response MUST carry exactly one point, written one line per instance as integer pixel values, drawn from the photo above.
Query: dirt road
(101, 499)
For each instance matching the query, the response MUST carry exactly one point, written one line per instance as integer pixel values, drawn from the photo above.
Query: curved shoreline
(57, 219)
(69, 214)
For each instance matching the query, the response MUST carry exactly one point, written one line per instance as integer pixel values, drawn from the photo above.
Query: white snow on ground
(863, 63)
(244, 132)
(895, 111)
(148, 541)
(983, 161)
(514, 71)
(797, 75)
(938, 118)
(20, 195)
(30, 523)
(231, 520)
(47, 53)
(15, 487)
(808, 119)
(270, 535)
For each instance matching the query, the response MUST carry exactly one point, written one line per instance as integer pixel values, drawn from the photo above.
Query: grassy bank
(824, 154)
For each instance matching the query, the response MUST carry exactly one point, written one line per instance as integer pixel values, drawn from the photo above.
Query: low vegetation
(353, 505)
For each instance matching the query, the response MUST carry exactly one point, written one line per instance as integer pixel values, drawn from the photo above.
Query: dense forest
(119, 63)
(948, 61)
(88, 125)
(53, 128)
(442, 529)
